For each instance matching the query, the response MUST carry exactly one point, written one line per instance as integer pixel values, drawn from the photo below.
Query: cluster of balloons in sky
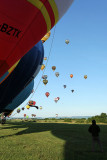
(21, 46)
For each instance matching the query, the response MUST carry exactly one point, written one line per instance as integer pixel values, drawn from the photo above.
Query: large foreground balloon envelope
(22, 76)
(19, 99)
(23, 23)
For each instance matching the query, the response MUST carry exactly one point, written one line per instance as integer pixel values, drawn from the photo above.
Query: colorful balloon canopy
(45, 81)
(56, 99)
(40, 107)
(45, 58)
(53, 68)
(42, 67)
(19, 84)
(27, 106)
(24, 23)
(85, 76)
(19, 98)
(31, 103)
(27, 116)
(47, 94)
(33, 115)
(71, 75)
(67, 41)
(47, 35)
(72, 90)
(24, 115)
(18, 110)
(44, 77)
(57, 74)
(64, 86)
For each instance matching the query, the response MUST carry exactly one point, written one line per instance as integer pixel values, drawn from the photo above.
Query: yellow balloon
(27, 106)
(42, 67)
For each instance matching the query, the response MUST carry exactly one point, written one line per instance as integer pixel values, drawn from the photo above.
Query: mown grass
(49, 141)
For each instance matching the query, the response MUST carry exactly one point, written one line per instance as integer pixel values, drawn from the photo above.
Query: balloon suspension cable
(44, 68)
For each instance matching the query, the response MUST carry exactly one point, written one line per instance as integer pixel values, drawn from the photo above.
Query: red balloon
(47, 94)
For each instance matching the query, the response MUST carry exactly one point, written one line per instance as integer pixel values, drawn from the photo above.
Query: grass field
(49, 141)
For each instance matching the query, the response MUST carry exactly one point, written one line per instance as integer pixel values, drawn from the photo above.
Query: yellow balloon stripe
(43, 10)
(10, 70)
(55, 10)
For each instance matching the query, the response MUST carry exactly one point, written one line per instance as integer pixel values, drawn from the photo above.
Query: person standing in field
(95, 130)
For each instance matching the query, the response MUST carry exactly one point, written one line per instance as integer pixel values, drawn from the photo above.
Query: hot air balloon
(27, 116)
(53, 68)
(31, 103)
(47, 35)
(57, 74)
(18, 86)
(71, 75)
(20, 98)
(56, 99)
(47, 94)
(42, 67)
(34, 20)
(44, 77)
(67, 41)
(18, 110)
(33, 115)
(45, 81)
(23, 108)
(45, 58)
(64, 86)
(40, 107)
(72, 90)
(85, 76)
(24, 115)
(27, 106)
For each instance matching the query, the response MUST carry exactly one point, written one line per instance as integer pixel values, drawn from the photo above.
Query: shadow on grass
(76, 137)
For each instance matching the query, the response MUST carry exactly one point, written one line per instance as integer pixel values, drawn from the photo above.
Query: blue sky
(85, 25)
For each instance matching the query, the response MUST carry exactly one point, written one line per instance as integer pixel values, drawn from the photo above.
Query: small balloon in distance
(85, 76)
(64, 86)
(42, 67)
(45, 58)
(57, 74)
(67, 41)
(45, 81)
(47, 94)
(53, 68)
(71, 75)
